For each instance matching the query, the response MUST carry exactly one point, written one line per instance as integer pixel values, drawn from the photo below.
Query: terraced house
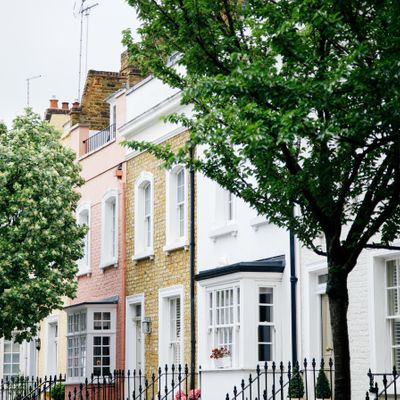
(157, 223)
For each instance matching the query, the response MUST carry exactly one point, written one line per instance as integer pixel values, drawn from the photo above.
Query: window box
(224, 362)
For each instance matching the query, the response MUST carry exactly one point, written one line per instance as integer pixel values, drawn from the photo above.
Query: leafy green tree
(296, 104)
(40, 240)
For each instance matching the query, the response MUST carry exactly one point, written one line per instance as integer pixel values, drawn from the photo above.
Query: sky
(41, 37)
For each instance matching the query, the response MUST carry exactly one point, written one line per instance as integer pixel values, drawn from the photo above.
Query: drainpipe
(293, 284)
(192, 274)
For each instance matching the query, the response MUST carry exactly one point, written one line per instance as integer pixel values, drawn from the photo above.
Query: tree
(40, 240)
(296, 104)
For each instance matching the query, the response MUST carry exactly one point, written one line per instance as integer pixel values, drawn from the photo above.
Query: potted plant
(322, 390)
(221, 357)
(296, 385)
(194, 394)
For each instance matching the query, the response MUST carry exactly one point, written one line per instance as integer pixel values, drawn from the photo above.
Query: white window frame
(141, 249)
(225, 218)
(109, 237)
(270, 324)
(212, 327)
(244, 356)
(164, 297)
(173, 238)
(90, 333)
(84, 267)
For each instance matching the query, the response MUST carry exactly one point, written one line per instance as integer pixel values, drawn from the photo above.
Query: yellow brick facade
(148, 276)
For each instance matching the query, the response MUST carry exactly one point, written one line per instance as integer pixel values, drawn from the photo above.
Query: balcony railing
(99, 139)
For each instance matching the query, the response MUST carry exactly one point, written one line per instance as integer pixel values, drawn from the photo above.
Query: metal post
(192, 276)
(293, 284)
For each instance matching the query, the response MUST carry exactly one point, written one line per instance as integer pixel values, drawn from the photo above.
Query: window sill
(181, 244)
(143, 255)
(84, 272)
(227, 230)
(109, 263)
(212, 369)
(256, 222)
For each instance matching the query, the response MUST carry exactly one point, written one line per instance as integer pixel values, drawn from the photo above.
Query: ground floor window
(175, 329)
(265, 329)
(11, 360)
(91, 342)
(224, 319)
(393, 311)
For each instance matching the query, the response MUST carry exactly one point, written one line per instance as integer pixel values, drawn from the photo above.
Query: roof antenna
(27, 87)
(84, 11)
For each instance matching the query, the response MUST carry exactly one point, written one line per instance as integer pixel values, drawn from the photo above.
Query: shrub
(323, 390)
(58, 391)
(296, 386)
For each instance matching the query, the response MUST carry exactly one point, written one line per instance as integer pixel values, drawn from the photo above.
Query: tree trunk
(338, 305)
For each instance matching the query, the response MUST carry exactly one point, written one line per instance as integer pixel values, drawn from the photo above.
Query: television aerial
(84, 13)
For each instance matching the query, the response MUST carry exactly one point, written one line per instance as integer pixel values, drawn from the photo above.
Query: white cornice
(151, 116)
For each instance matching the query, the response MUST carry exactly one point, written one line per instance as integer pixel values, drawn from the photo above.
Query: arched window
(83, 217)
(176, 218)
(143, 218)
(109, 241)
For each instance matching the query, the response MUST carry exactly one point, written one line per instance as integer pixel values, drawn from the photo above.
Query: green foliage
(322, 390)
(58, 392)
(296, 386)
(295, 102)
(40, 240)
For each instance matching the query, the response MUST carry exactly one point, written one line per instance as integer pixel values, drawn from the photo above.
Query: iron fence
(100, 138)
(274, 381)
(383, 385)
(29, 388)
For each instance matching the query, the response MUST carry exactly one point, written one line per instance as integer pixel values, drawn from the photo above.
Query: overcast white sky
(41, 37)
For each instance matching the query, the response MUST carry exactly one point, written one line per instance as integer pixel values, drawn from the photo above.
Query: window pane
(393, 307)
(265, 314)
(392, 279)
(264, 352)
(265, 334)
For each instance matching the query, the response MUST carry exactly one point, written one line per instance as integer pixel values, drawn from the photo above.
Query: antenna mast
(84, 11)
(27, 87)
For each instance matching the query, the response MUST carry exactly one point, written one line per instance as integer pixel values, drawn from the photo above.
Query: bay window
(224, 319)
(265, 329)
(91, 342)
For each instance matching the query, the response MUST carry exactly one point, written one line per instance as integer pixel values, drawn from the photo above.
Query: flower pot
(224, 362)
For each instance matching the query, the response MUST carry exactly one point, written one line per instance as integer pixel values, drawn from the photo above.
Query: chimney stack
(65, 105)
(54, 103)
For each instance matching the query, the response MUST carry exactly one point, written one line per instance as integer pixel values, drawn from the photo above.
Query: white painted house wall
(247, 237)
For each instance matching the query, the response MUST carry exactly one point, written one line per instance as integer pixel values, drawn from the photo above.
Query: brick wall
(99, 85)
(148, 276)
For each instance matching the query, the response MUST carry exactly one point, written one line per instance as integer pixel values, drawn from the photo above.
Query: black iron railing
(275, 381)
(169, 383)
(99, 139)
(28, 388)
(383, 385)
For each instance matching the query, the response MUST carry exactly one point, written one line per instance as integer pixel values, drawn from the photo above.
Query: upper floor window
(176, 207)
(83, 216)
(109, 245)
(144, 216)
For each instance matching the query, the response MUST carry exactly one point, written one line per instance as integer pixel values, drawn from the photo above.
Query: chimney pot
(65, 105)
(75, 105)
(53, 103)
